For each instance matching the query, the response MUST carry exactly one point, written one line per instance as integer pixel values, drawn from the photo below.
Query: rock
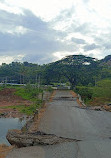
(27, 126)
(107, 107)
(3, 114)
(109, 104)
(20, 139)
(36, 115)
(97, 108)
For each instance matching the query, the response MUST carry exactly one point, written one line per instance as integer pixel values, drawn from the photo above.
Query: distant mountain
(106, 60)
(76, 60)
(83, 60)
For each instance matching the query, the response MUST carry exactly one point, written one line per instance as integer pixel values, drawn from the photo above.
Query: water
(9, 123)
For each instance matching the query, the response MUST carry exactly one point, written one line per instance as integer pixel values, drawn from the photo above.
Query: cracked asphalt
(64, 119)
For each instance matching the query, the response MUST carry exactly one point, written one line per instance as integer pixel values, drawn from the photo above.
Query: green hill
(76, 69)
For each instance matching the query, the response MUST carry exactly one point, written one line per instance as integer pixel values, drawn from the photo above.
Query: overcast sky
(42, 31)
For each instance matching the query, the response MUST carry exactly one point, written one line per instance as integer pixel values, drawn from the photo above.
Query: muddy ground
(8, 98)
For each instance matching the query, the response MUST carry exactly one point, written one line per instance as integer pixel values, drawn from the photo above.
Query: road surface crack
(36, 138)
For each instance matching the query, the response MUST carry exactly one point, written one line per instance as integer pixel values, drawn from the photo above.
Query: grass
(96, 95)
(24, 94)
(28, 110)
(28, 93)
(98, 101)
(1, 88)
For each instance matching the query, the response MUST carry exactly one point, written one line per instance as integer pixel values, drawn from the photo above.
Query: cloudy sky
(42, 31)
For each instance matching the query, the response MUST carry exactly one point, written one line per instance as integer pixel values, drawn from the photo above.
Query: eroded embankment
(37, 138)
(31, 125)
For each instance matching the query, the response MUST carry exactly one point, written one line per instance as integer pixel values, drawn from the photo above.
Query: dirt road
(64, 118)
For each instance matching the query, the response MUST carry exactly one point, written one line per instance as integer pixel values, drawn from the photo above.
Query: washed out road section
(64, 118)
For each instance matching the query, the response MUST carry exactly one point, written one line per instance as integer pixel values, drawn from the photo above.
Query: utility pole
(36, 80)
(23, 78)
(20, 79)
(5, 81)
(39, 82)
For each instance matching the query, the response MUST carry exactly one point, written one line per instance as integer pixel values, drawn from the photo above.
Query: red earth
(8, 98)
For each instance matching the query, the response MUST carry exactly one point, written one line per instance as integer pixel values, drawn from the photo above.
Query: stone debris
(97, 108)
(19, 139)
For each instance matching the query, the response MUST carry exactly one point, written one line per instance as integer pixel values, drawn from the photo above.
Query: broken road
(91, 129)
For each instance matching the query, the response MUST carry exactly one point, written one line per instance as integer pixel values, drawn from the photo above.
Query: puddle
(9, 123)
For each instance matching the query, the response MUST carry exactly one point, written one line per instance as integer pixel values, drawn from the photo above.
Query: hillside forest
(89, 77)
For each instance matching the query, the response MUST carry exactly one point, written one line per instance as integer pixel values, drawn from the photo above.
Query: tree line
(75, 69)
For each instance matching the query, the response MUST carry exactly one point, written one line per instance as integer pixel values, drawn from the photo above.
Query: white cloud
(14, 30)
(8, 59)
(95, 11)
(45, 9)
(103, 8)
(18, 30)
(60, 55)
(94, 53)
(51, 29)
(88, 39)
(15, 10)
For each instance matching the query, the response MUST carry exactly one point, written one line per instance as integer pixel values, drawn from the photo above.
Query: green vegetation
(85, 92)
(85, 73)
(96, 95)
(29, 92)
(75, 69)
(32, 93)
(28, 110)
